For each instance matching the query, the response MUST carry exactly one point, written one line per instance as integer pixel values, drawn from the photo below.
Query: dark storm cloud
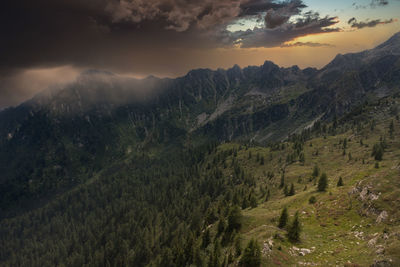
(130, 35)
(138, 36)
(369, 23)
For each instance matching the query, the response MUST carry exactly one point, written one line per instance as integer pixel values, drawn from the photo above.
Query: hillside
(111, 171)
(144, 210)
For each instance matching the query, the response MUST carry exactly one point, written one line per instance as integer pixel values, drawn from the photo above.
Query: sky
(48, 42)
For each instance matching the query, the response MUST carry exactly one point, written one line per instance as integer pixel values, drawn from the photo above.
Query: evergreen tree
(283, 219)
(282, 184)
(391, 129)
(377, 151)
(253, 201)
(340, 182)
(285, 191)
(323, 182)
(295, 229)
(315, 172)
(238, 247)
(291, 191)
(234, 219)
(206, 238)
(221, 226)
(251, 255)
(268, 195)
(302, 158)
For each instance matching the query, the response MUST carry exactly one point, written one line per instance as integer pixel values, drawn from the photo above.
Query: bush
(312, 200)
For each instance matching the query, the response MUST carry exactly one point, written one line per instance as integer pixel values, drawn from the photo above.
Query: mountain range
(67, 135)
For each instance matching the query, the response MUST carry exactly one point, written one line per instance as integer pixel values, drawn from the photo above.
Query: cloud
(139, 35)
(377, 3)
(307, 44)
(372, 4)
(178, 15)
(368, 23)
(161, 37)
(310, 23)
(19, 86)
(277, 17)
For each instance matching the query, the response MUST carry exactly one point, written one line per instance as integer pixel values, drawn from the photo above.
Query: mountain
(128, 159)
(101, 115)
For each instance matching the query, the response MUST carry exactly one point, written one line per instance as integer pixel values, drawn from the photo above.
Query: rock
(300, 251)
(372, 242)
(385, 236)
(381, 263)
(304, 251)
(380, 250)
(359, 235)
(382, 217)
(364, 193)
(268, 245)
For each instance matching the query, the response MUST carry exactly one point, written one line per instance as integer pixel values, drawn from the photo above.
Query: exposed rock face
(367, 196)
(268, 245)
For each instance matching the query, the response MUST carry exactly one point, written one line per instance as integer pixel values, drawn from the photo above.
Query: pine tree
(206, 239)
(282, 184)
(221, 226)
(291, 191)
(268, 195)
(377, 151)
(283, 219)
(238, 247)
(253, 201)
(315, 172)
(323, 182)
(234, 219)
(295, 229)
(340, 182)
(302, 158)
(391, 129)
(251, 255)
(285, 191)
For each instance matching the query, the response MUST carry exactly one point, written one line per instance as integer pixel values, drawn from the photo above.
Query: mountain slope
(180, 207)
